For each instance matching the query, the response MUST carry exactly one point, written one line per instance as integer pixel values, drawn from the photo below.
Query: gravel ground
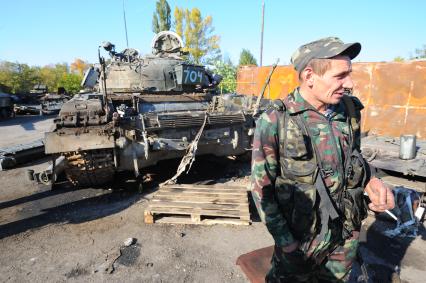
(66, 234)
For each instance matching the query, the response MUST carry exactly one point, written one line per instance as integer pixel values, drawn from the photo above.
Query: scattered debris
(76, 272)
(108, 266)
(130, 241)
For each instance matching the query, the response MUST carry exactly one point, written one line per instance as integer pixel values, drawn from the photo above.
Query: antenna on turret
(125, 25)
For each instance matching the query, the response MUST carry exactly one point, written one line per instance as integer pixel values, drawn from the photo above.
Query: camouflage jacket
(330, 135)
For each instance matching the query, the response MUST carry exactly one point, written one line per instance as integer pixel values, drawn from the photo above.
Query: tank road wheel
(90, 168)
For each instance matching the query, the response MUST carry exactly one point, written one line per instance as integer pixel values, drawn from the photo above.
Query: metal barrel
(407, 147)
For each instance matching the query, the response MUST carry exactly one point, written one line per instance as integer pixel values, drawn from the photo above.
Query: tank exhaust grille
(181, 121)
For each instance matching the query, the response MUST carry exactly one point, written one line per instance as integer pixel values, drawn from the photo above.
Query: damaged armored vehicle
(6, 106)
(144, 109)
(31, 103)
(52, 103)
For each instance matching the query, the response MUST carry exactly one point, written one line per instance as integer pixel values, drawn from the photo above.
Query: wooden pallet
(199, 204)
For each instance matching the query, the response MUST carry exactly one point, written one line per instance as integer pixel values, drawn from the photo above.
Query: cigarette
(387, 211)
(391, 215)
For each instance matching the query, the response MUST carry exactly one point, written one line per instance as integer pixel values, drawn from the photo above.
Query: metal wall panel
(393, 93)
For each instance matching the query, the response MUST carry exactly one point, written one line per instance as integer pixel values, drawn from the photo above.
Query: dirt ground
(64, 234)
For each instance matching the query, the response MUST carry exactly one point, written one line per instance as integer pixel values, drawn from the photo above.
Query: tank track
(90, 167)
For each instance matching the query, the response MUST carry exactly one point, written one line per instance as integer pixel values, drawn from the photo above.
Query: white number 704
(193, 76)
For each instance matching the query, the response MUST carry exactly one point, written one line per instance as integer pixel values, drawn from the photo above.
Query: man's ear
(308, 76)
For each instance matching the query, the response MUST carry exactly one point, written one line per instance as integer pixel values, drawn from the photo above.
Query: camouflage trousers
(328, 265)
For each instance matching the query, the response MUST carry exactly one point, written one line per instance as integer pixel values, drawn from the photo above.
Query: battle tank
(145, 109)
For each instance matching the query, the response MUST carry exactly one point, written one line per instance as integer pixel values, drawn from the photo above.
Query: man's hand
(380, 195)
(291, 248)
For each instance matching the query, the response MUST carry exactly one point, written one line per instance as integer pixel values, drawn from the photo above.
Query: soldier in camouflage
(308, 176)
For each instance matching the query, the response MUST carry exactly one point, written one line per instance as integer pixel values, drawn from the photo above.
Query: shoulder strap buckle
(278, 105)
(326, 172)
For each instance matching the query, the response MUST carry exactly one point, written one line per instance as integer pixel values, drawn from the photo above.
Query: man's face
(329, 88)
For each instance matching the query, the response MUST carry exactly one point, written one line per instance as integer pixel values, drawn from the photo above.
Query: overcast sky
(54, 31)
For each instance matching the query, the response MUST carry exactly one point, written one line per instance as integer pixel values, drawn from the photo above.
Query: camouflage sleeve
(264, 172)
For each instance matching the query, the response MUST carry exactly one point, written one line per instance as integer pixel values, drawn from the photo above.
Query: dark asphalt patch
(129, 255)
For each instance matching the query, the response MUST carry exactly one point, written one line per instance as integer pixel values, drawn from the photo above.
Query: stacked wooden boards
(199, 204)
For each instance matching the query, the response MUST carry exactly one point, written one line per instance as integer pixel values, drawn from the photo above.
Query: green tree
(27, 77)
(398, 59)
(18, 78)
(7, 75)
(161, 19)
(246, 58)
(228, 71)
(51, 75)
(197, 34)
(420, 53)
(71, 83)
(21, 78)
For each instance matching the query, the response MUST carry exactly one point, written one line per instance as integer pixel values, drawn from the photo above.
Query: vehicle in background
(40, 102)
(30, 103)
(6, 106)
(51, 103)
